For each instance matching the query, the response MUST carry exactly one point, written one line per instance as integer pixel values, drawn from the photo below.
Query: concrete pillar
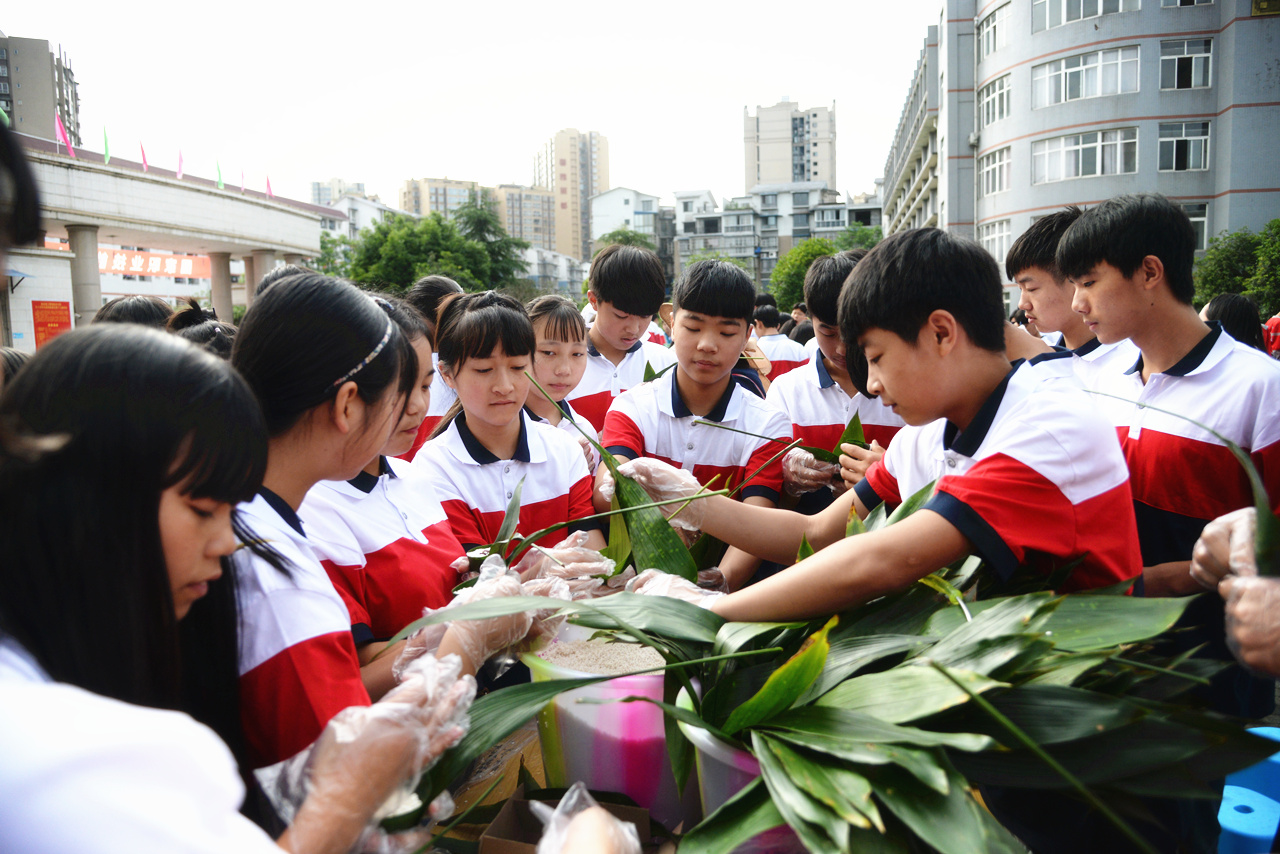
(294, 258)
(220, 270)
(86, 284)
(264, 260)
(250, 280)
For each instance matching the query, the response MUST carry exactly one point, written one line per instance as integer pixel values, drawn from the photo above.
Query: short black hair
(823, 281)
(19, 196)
(202, 328)
(1124, 230)
(716, 289)
(144, 309)
(1038, 245)
(911, 274)
(766, 299)
(1238, 315)
(801, 307)
(802, 332)
(768, 315)
(275, 274)
(427, 294)
(630, 278)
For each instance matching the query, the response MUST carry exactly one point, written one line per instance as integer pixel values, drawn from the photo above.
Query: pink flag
(144, 156)
(242, 182)
(179, 164)
(62, 134)
(270, 195)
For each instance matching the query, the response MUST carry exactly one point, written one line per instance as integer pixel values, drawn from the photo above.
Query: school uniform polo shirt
(602, 380)
(655, 335)
(475, 486)
(442, 397)
(820, 410)
(784, 354)
(298, 664)
(1181, 474)
(652, 420)
(1095, 362)
(386, 545)
(1035, 480)
(569, 424)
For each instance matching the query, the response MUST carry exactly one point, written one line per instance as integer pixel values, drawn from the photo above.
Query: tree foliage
(1242, 262)
(625, 237)
(332, 260)
(478, 220)
(858, 236)
(396, 252)
(787, 281)
(709, 255)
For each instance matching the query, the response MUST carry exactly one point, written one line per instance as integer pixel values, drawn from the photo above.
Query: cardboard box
(516, 830)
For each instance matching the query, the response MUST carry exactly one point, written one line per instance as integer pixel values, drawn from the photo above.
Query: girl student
(382, 536)
(426, 295)
(118, 476)
(488, 445)
(332, 371)
(559, 360)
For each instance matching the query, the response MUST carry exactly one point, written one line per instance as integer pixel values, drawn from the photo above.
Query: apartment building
(35, 85)
(527, 213)
(786, 144)
(324, 192)
(574, 166)
(436, 195)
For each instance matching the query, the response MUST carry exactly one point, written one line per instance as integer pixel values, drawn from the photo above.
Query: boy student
(1130, 261)
(1045, 298)
(1028, 473)
(713, 306)
(821, 397)
(784, 354)
(626, 286)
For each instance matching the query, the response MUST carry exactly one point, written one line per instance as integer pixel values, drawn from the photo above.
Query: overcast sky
(379, 92)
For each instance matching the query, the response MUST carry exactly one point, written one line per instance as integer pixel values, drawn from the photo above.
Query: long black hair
(135, 308)
(19, 198)
(202, 328)
(1239, 317)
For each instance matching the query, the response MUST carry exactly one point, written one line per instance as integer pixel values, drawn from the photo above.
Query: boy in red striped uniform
(784, 354)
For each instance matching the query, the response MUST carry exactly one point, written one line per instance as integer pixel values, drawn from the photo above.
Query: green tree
(626, 237)
(396, 252)
(711, 255)
(858, 236)
(332, 260)
(787, 281)
(1242, 262)
(478, 220)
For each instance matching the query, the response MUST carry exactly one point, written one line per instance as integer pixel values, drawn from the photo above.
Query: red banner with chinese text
(50, 319)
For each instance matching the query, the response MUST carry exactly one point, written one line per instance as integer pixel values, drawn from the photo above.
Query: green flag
(4, 117)
(106, 147)
(219, 165)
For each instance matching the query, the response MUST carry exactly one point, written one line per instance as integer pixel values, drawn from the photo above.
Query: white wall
(48, 277)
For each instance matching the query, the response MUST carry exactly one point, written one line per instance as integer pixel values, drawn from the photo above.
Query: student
(382, 536)
(559, 360)
(488, 445)
(426, 295)
(11, 361)
(821, 398)
(202, 328)
(626, 287)
(117, 479)
(1130, 260)
(136, 308)
(654, 334)
(784, 354)
(713, 306)
(274, 275)
(1271, 334)
(1238, 317)
(1028, 473)
(1045, 299)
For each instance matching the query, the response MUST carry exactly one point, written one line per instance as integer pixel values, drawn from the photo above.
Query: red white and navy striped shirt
(442, 397)
(602, 380)
(475, 486)
(298, 664)
(1097, 363)
(1035, 480)
(784, 355)
(819, 409)
(651, 420)
(386, 544)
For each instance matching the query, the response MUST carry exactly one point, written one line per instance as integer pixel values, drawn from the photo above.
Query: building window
(993, 30)
(769, 200)
(993, 170)
(994, 237)
(564, 205)
(1055, 13)
(4, 88)
(1170, 3)
(993, 100)
(800, 221)
(4, 71)
(1086, 75)
(799, 200)
(1199, 216)
(1111, 152)
(1184, 64)
(687, 207)
(1184, 146)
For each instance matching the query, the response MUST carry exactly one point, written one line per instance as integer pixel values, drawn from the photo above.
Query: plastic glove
(803, 472)
(713, 581)
(1226, 547)
(368, 754)
(663, 482)
(578, 825)
(1253, 621)
(655, 582)
(569, 559)
(548, 622)
(855, 461)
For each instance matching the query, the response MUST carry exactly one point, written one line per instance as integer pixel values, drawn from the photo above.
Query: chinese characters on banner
(50, 318)
(130, 262)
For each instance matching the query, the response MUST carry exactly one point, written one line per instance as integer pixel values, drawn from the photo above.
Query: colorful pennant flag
(144, 157)
(219, 165)
(179, 164)
(270, 195)
(106, 147)
(62, 134)
(242, 182)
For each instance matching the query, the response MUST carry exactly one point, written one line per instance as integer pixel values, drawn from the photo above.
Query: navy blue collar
(1195, 356)
(968, 442)
(1086, 349)
(717, 413)
(563, 405)
(824, 376)
(282, 507)
(591, 348)
(365, 482)
(483, 455)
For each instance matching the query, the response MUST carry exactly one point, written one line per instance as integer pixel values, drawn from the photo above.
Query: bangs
(478, 332)
(565, 324)
(224, 456)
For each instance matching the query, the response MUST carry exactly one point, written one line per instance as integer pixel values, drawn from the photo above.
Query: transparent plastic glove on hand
(712, 581)
(1226, 547)
(803, 472)
(663, 482)
(481, 639)
(425, 640)
(578, 825)
(1253, 621)
(655, 582)
(547, 623)
(571, 558)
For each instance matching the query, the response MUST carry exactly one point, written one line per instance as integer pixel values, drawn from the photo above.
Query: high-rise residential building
(35, 85)
(527, 213)
(574, 166)
(784, 144)
(324, 192)
(436, 195)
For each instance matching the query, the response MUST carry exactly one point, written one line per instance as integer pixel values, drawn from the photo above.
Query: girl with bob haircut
(382, 536)
(118, 476)
(488, 446)
(559, 361)
(426, 295)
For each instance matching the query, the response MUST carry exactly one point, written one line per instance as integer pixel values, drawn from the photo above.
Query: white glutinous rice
(601, 657)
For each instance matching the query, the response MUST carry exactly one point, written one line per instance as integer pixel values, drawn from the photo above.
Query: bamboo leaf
(842, 789)
(748, 813)
(817, 825)
(707, 551)
(996, 633)
(825, 723)
(734, 636)
(1051, 714)
(654, 544)
(854, 524)
(805, 550)
(875, 519)
(913, 503)
(905, 693)
(852, 435)
(509, 521)
(657, 615)
(1084, 623)
(848, 655)
(619, 548)
(786, 684)
(934, 581)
